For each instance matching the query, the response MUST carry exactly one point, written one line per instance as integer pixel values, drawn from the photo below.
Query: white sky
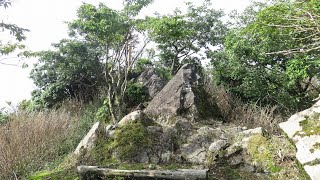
(45, 20)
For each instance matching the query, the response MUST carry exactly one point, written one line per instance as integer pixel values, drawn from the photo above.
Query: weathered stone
(197, 145)
(234, 148)
(88, 141)
(292, 126)
(178, 98)
(306, 152)
(194, 153)
(217, 145)
(110, 129)
(235, 160)
(313, 171)
(135, 116)
(152, 81)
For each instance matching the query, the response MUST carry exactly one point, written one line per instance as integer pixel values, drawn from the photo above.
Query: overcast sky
(45, 20)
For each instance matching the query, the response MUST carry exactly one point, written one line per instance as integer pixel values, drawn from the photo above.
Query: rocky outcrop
(303, 129)
(182, 96)
(152, 81)
(87, 142)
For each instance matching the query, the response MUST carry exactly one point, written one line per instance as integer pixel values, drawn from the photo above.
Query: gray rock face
(307, 143)
(182, 96)
(88, 141)
(152, 81)
(218, 145)
(135, 116)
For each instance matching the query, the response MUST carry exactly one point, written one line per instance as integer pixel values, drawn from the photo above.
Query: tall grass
(31, 141)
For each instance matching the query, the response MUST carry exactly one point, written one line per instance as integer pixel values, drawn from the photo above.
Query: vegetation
(7, 47)
(264, 65)
(180, 37)
(35, 141)
(250, 67)
(310, 126)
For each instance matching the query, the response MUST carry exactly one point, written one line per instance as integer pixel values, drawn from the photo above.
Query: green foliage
(103, 112)
(72, 71)
(180, 36)
(136, 93)
(4, 117)
(116, 34)
(130, 140)
(63, 174)
(251, 68)
(164, 72)
(142, 64)
(14, 30)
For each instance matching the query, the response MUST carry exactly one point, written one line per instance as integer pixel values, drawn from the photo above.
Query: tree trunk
(90, 172)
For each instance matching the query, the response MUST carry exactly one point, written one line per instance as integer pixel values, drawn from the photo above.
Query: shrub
(142, 64)
(136, 93)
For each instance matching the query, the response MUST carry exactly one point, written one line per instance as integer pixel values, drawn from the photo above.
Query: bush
(142, 64)
(136, 93)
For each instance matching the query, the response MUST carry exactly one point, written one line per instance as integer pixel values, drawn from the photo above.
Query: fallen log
(95, 172)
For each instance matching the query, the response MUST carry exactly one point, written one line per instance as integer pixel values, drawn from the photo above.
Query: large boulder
(183, 95)
(303, 128)
(152, 80)
(87, 142)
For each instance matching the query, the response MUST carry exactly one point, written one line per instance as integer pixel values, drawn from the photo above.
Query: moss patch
(316, 146)
(260, 151)
(310, 126)
(130, 140)
(65, 174)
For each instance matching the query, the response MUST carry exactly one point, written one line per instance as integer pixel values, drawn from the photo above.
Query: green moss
(132, 166)
(130, 140)
(261, 152)
(316, 146)
(310, 126)
(65, 174)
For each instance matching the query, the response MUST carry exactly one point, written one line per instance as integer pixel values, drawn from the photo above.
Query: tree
(248, 68)
(301, 18)
(14, 30)
(72, 70)
(116, 33)
(180, 36)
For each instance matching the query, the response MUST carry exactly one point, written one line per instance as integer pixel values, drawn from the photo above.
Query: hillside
(128, 97)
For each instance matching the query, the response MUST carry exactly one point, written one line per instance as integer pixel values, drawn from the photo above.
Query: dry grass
(29, 141)
(233, 110)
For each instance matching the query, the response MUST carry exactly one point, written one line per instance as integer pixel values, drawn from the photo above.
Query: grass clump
(37, 141)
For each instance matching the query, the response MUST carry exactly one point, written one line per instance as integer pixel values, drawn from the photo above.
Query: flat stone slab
(313, 171)
(308, 151)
